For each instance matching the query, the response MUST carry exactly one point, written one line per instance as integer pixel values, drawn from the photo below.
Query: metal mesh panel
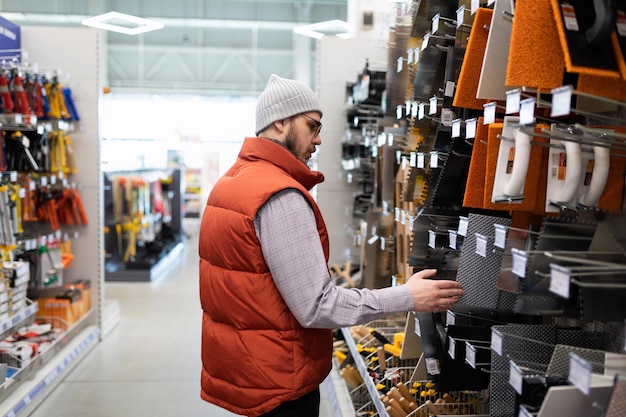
(560, 362)
(617, 404)
(478, 275)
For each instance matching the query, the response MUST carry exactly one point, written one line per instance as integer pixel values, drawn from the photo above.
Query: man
(268, 301)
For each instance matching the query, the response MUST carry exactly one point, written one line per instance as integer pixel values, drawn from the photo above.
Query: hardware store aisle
(149, 365)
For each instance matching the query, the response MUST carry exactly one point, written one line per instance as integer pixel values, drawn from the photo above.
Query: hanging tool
(46, 207)
(34, 94)
(5, 94)
(21, 100)
(7, 233)
(70, 208)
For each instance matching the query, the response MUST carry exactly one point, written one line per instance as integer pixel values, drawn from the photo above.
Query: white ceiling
(207, 47)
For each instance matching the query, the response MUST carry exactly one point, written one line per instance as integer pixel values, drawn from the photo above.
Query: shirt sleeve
(292, 249)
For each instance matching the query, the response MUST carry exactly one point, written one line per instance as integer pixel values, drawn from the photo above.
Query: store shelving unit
(76, 54)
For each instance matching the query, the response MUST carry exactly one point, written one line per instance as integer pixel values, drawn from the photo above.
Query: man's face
(303, 135)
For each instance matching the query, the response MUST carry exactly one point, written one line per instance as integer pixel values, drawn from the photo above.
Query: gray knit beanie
(283, 98)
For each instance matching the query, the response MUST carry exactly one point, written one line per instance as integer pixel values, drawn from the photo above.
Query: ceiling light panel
(122, 23)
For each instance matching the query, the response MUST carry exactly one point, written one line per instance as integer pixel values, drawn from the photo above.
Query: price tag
(453, 238)
(13, 176)
(385, 207)
(460, 16)
(433, 105)
(413, 159)
(400, 61)
(43, 181)
(559, 280)
(390, 137)
(396, 216)
(561, 101)
(481, 245)
(435, 26)
(425, 41)
(490, 2)
(420, 160)
(475, 5)
(513, 98)
(527, 111)
(450, 318)
(432, 366)
(470, 128)
(414, 108)
(496, 341)
(53, 179)
(404, 163)
(451, 347)
(579, 373)
(5, 326)
(418, 330)
(382, 243)
(456, 128)
(463, 223)
(22, 192)
(432, 238)
(407, 107)
(470, 355)
(434, 159)
(489, 115)
(523, 412)
(403, 217)
(409, 53)
(31, 185)
(449, 91)
(520, 259)
(398, 156)
(500, 239)
(421, 111)
(399, 112)
(372, 240)
(516, 377)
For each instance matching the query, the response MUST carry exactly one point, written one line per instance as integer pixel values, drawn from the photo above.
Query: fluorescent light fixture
(318, 30)
(122, 23)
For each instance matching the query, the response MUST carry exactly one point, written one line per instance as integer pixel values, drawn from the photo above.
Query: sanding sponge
(475, 185)
(535, 54)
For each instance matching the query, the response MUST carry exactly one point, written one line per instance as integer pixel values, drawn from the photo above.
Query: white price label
(43, 181)
(385, 206)
(456, 128)
(372, 240)
(527, 111)
(449, 91)
(475, 5)
(489, 115)
(399, 112)
(513, 98)
(400, 61)
(470, 128)
(450, 318)
(425, 41)
(523, 412)
(409, 53)
(432, 238)
(432, 366)
(403, 217)
(559, 280)
(420, 160)
(496, 341)
(434, 160)
(418, 330)
(481, 245)
(490, 2)
(413, 159)
(407, 107)
(520, 259)
(421, 111)
(414, 108)
(451, 347)
(435, 26)
(470, 355)
(432, 109)
(463, 224)
(561, 101)
(500, 239)
(396, 216)
(579, 373)
(453, 238)
(382, 243)
(516, 377)
(460, 16)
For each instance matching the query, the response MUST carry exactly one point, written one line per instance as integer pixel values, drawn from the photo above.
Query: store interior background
(185, 96)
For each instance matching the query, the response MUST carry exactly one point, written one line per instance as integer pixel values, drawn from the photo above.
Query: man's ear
(281, 125)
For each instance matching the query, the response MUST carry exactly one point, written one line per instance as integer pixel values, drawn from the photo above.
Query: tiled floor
(149, 365)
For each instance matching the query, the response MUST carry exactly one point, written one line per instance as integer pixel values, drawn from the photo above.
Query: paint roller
(515, 185)
(573, 174)
(599, 177)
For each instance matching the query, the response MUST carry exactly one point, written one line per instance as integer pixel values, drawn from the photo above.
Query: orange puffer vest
(255, 354)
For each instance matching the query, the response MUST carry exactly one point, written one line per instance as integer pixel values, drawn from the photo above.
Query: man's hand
(433, 295)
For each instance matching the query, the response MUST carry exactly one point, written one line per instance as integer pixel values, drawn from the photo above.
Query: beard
(291, 143)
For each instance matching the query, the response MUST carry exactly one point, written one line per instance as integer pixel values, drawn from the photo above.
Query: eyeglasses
(316, 128)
